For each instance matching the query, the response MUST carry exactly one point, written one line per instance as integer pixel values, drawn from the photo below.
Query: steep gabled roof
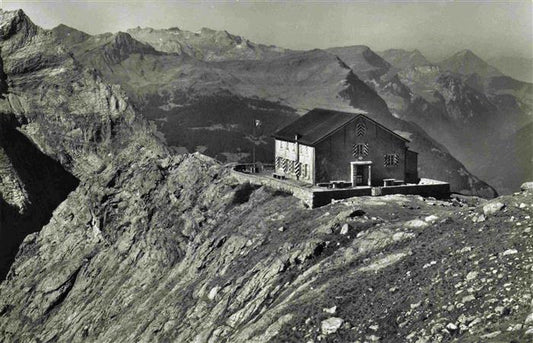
(318, 124)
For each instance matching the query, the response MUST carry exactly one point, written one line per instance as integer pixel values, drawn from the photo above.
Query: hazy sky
(436, 28)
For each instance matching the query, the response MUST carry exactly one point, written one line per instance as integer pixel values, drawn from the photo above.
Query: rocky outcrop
(527, 186)
(16, 27)
(59, 122)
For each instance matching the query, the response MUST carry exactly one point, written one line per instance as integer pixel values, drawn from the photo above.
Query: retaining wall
(314, 197)
(439, 191)
(321, 198)
(304, 194)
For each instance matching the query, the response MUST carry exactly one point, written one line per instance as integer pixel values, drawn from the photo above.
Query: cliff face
(59, 123)
(32, 185)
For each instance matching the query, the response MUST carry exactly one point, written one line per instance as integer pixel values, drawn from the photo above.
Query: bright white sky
(436, 28)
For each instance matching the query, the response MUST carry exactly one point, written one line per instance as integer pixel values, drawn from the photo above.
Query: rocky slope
(153, 246)
(159, 251)
(59, 124)
(32, 185)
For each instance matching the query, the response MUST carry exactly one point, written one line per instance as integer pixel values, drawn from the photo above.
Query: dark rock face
(43, 183)
(3, 80)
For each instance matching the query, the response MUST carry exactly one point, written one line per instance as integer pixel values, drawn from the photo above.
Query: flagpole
(253, 144)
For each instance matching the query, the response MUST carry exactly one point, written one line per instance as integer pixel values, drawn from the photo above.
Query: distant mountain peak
(469, 55)
(123, 36)
(66, 33)
(127, 44)
(417, 53)
(465, 52)
(402, 59)
(365, 62)
(13, 22)
(117, 47)
(466, 62)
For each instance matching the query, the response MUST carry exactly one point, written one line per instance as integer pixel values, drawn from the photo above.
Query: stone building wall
(287, 151)
(335, 152)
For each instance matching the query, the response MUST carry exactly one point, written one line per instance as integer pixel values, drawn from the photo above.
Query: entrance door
(360, 174)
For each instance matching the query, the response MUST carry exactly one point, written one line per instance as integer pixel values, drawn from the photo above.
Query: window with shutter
(391, 160)
(291, 166)
(360, 150)
(297, 168)
(278, 163)
(284, 165)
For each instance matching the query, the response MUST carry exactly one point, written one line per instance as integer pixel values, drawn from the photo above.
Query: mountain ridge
(288, 80)
(206, 44)
(459, 107)
(368, 65)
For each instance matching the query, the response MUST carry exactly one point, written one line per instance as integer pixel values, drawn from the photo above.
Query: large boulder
(416, 224)
(492, 208)
(331, 325)
(527, 186)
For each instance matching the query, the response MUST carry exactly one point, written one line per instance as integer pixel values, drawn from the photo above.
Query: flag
(257, 123)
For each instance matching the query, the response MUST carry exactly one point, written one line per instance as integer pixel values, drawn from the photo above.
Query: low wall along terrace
(316, 197)
(438, 191)
(304, 194)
